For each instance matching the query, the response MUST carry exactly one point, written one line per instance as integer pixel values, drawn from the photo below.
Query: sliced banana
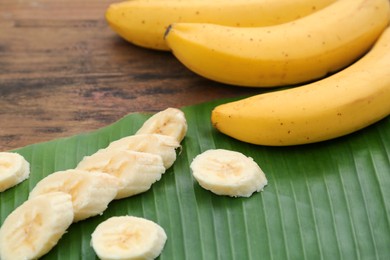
(128, 237)
(137, 171)
(36, 226)
(13, 170)
(162, 145)
(170, 121)
(226, 172)
(91, 191)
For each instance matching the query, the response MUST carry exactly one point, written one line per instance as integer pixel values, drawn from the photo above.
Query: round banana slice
(170, 121)
(129, 238)
(36, 226)
(137, 171)
(13, 170)
(163, 145)
(226, 172)
(91, 191)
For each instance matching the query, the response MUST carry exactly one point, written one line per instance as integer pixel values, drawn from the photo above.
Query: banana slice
(226, 172)
(170, 121)
(162, 145)
(137, 171)
(13, 170)
(36, 226)
(91, 191)
(128, 237)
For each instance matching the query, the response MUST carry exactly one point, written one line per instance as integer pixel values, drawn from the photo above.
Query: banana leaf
(329, 200)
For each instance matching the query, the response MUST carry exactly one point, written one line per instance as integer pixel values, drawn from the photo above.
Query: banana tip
(214, 121)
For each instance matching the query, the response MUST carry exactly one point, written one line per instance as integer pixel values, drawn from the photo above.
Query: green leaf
(329, 200)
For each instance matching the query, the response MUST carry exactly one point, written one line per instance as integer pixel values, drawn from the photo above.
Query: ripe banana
(128, 237)
(36, 226)
(335, 106)
(171, 122)
(143, 22)
(91, 191)
(226, 172)
(162, 145)
(13, 170)
(291, 53)
(137, 171)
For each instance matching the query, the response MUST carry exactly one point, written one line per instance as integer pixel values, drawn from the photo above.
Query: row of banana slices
(126, 167)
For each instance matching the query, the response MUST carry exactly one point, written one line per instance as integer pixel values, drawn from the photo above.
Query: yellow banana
(335, 106)
(285, 54)
(144, 22)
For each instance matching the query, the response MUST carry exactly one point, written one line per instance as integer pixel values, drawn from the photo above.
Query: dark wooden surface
(63, 71)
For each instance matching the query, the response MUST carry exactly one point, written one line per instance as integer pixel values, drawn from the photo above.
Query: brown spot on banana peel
(167, 31)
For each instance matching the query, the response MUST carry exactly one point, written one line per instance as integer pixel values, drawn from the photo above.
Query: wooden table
(63, 71)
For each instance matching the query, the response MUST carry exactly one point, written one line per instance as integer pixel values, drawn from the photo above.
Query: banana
(143, 22)
(338, 105)
(162, 145)
(137, 171)
(171, 122)
(291, 53)
(36, 226)
(91, 191)
(128, 237)
(13, 170)
(226, 172)
(141, 159)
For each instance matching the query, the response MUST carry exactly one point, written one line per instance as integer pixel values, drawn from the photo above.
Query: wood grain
(63, 71)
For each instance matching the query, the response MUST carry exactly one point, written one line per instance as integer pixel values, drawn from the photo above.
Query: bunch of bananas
(264, 43)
